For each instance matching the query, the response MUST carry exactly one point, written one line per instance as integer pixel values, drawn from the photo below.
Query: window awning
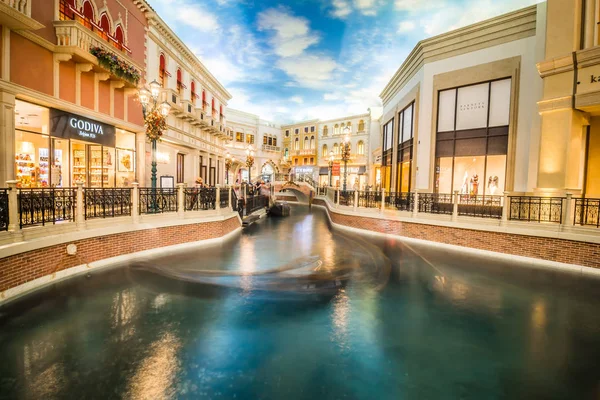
(324, 171)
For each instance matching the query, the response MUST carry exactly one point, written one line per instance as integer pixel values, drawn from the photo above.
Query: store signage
(304, 170)
(335, 170)
(73, 126)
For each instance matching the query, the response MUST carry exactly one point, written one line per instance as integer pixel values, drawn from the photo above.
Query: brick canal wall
(18, 269)
(544, 248)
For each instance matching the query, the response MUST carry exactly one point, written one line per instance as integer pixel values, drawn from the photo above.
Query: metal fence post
(415, 212)
(505, 209)
(80, 213)
(229, 199)
(135, 202)
(567, 211)
(455, 206)
(180, 199)
(218, 197)
(382, 199)
(355, 200)
(13, 206)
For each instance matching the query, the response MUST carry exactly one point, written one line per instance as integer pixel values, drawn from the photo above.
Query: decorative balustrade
(346, 198)
(369, 199)
(400, 201)
(536, 209)
(480, 206)
(587, 212)
(200, 199)
(4, 210)
(435, 203)
(267, 147)
(22, 6)
(156, 201)
(107, 203)
(46, 206)
(305, 152)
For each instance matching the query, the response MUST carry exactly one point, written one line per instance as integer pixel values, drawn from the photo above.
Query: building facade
(193, 146)
(331, 142)
(300, 143)
(460, 114)
(69, 114)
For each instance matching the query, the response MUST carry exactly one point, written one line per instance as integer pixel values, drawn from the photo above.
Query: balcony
(305, 152)
(267, 147)
(76, 40)
(16, 15)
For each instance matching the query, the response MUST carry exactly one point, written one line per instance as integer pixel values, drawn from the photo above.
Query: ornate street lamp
(228, 162)
(249, 162)
(155, 119)
(346, 153)
(331, 158)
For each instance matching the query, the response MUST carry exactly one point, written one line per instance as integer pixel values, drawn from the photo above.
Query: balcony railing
(536, 209)
(346, 198)
(369, 199)
(255, 203)
(107, 203)
(3, 209)
(22, 6)
(435, 203)
(267, 147)
(587, 212)
(399, 201)
(156, 201)
(46, 206)
(480, 206)
(305, 152)
(200, 199)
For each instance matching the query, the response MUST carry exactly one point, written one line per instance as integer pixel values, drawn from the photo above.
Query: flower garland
(155, 125)
(115, 65)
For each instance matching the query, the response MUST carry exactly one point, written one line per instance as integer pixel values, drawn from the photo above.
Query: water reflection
(409, 322)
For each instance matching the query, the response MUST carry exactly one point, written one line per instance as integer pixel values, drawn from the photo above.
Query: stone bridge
(293, 191)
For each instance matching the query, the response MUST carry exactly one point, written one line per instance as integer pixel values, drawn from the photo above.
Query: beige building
(570, 108)
(300, 147)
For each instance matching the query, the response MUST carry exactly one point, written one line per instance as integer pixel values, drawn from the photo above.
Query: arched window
(306, 143)
(297, 144)
(65, 10)
(312, 142)
(349, 125)
(119, 36)
(324, 150)
(336, 149)
(325, 131)
(193, 92)
(274, 141)
(360, 148)
(105, 26)
(204, 99)
(361, 125)
(287, 152)
(214, 110)
(336, 129)
(88, 13)
(162, 68)
(221, 110)
(179, 80)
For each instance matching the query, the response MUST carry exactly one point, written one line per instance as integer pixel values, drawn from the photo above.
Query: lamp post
(346, 153)
(249, 162)
(155, 119)
(330, 167)
(228, 162)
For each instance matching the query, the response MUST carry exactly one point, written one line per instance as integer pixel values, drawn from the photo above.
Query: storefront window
(472, 138)
(32, 145)
(125, 159)
(405, 149)
(386, 164)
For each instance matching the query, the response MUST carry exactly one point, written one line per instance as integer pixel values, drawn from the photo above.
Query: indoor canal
(292, 308)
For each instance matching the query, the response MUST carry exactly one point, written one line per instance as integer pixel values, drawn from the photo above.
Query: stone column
(590, 23)
(455, 206)
(382, 199)
(80, 213)
(13, 206)
(180, 200)
(7, 136)
(135, 202)
(218, 197)
(505, 209)
(415, 212)
(567, 211)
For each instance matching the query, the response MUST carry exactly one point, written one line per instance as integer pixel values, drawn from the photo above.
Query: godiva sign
(73, 126)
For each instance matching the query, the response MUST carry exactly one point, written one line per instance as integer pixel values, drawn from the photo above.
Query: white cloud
(341, 9)
(366, 7)
(292, 34)
(406, 26)
(309, 70)
(190, 14)
(297, 99)
(331, 96)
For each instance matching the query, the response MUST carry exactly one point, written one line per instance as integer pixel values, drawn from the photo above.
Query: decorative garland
(115, 65)
(155, 125)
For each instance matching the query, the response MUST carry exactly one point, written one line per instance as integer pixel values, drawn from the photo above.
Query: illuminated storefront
(54, 148)
(405, 149)
(386, 162)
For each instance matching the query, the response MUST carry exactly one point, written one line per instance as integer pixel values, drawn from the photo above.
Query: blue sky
(304, 59)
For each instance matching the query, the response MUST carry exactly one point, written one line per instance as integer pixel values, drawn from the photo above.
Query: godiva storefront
(54, 148)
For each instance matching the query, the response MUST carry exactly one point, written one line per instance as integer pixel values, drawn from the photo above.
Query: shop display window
(78, 163)
(32, 160)
(59, 175)
(405, 149)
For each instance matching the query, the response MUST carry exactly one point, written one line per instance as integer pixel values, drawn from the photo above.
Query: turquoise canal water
(343, 317)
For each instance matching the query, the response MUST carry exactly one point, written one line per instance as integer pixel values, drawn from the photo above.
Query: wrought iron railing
(346, 197)
(200, 199)
(4, 209)
(321, 190)
(254, 203)
(369, 199)
(480, 206)
(156, 201)
(435, 203)
(42, 206)
(223, 197)
(400, 201)
(535, 209)
(237, 204)
(107, 203)
(587, 212)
